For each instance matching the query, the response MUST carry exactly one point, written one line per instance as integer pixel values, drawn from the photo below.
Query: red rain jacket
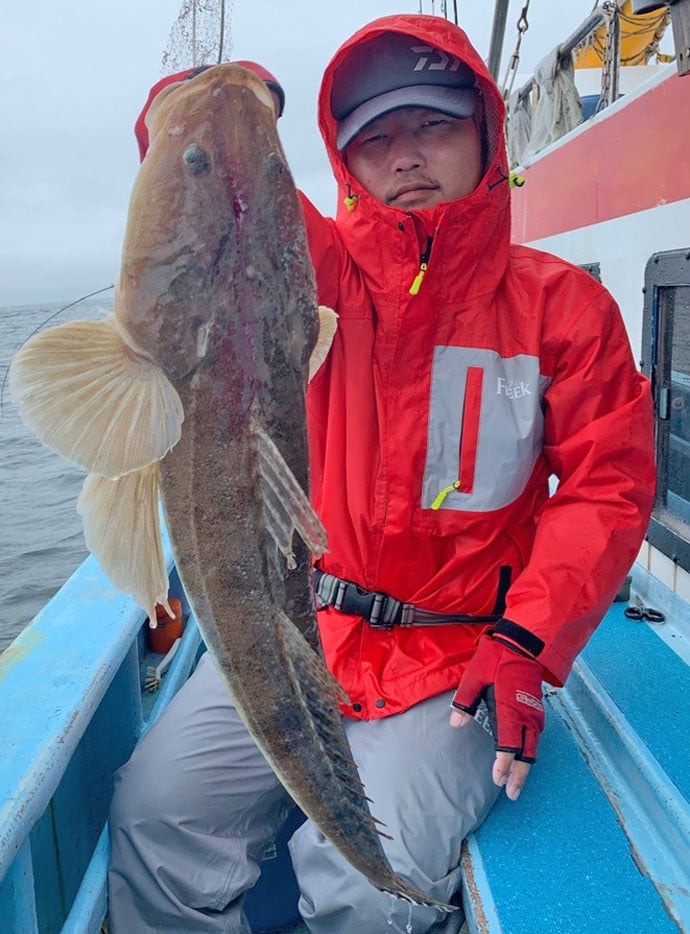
(507, 367)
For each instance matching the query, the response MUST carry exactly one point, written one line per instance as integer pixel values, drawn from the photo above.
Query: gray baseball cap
(393, 70)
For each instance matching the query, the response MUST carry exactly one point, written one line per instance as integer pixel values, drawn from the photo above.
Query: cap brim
(456, 102)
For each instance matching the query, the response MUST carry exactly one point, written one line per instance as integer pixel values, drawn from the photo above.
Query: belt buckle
(377, 617)
(371, 605)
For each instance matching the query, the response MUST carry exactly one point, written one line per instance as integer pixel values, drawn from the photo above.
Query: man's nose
(406, 154)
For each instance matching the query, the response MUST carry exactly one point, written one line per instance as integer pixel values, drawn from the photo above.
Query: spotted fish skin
(195, 391)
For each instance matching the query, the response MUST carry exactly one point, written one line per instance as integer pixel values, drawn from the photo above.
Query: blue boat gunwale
(55, 676)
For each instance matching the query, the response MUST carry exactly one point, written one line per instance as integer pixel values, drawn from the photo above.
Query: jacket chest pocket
(486, 428)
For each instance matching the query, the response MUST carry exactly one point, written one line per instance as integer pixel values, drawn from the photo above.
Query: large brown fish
(195, 389)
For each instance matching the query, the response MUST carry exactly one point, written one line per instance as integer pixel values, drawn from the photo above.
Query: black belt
(380, 610)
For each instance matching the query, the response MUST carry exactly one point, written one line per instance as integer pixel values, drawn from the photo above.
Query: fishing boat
(600, 839)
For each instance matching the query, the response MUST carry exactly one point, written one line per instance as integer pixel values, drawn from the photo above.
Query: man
(463, 374)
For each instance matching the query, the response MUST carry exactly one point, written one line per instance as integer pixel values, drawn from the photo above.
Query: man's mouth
(411, 188)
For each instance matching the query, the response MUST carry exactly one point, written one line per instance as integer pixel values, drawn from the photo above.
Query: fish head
(214, 168)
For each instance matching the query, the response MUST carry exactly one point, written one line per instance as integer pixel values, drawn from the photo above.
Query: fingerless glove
(509, 681)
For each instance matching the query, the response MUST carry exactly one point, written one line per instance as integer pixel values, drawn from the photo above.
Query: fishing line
(107, 288)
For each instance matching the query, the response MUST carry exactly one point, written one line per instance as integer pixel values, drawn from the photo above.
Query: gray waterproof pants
(197, 806)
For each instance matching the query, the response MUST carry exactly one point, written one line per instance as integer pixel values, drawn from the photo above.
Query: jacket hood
(491, 198)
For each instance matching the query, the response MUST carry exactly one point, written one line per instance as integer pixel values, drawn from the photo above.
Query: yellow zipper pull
(416, 285)
(423, 266)
(438, 502)
(350, 201)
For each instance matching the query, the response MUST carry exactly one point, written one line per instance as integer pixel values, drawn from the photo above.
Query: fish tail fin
(122, 530)
(87, 395)
(287, 507)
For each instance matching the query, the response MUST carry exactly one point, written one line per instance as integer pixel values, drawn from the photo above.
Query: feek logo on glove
(528, 699)
(509, 682)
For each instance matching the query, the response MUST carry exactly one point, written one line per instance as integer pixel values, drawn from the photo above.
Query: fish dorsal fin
(91, 398)
(328, 323)
(287, 507)
(122, 530)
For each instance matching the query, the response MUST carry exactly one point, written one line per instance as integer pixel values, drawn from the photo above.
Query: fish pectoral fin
(287, 507)
(122, 530)
(91, 398)
(328, 323)
(319, 693)
(307, 671)
(321, 735)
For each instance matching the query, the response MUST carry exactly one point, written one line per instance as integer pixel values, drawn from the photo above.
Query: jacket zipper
(423, 266)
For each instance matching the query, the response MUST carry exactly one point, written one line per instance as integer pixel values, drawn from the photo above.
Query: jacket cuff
(522, 638)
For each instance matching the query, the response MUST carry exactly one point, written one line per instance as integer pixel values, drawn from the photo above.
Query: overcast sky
(77, 72)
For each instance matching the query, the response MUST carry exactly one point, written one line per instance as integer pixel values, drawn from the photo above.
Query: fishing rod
(40, 327)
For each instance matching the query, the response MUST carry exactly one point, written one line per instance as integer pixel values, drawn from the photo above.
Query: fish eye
(196, 159)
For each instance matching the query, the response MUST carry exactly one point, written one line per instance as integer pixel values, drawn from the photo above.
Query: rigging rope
(638, 25)
(511, 72)
(199, 35)
(444, 9)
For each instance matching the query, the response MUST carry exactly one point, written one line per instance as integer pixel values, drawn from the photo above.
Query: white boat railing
(548, 105)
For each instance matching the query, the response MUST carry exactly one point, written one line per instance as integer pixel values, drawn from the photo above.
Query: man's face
(416, 158)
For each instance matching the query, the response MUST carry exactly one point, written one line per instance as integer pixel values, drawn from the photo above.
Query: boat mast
(498, 32)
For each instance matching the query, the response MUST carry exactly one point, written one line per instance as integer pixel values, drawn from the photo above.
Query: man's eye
(436, 122)
(373, 138)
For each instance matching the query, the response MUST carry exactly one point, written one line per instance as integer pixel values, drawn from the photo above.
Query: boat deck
(599, 840)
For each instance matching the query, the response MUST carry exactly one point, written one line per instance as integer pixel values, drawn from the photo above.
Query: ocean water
(41, 541)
